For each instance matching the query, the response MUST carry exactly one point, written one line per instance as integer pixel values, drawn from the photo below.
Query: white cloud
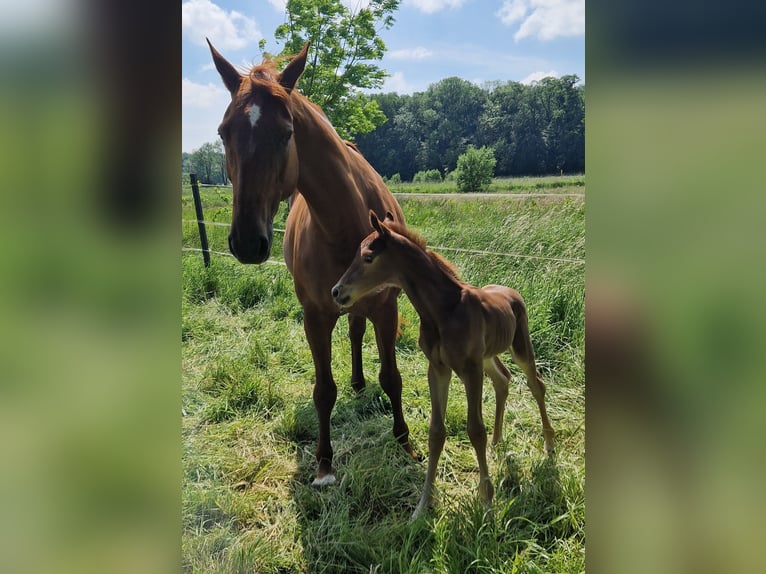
(544, 19)
(396, 83)
(512, 11)
(418, 53)
(203, 95)
(226, 30)
(279, 4)
(537, 76)
(433, 6)
(202, 107)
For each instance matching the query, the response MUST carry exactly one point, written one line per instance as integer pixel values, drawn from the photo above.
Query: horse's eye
(367, 258)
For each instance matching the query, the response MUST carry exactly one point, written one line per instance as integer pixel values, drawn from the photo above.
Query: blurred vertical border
(89, 284)
(676, 277)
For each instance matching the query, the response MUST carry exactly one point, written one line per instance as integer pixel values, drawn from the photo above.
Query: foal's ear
(377, 225)
(229, 74)
(389, 216)
(289, 76)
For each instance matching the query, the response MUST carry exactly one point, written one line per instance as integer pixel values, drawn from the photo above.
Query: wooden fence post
(200, 219)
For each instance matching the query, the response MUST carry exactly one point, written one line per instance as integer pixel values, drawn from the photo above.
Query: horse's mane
(418, 240)
(264, 77)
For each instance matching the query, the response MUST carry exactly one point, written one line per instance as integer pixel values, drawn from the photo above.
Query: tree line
(208, 162)
(533, 129)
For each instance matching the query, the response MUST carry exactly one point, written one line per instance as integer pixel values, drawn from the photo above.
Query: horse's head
(372, 268)
(261, 159)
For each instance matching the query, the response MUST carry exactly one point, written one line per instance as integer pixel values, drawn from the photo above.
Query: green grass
(547, 184)
(249, 426)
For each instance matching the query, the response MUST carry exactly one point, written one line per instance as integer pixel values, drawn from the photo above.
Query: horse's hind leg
(385, 319)
(499, 375)
(356, 328)
(524, 357)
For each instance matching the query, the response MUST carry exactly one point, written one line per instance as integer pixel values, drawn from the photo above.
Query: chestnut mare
(277, 142)
(462, 329)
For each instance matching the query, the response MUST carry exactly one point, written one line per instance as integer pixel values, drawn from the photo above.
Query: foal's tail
(521, 347)
(524, 356)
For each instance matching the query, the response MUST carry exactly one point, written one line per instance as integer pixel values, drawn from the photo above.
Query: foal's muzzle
(340, 295)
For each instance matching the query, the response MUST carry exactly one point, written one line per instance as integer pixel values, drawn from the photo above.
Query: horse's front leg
(318, 327)
(438, 385)
(385, 319)
(357, 325)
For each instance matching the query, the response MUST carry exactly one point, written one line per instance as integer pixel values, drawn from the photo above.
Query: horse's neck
(430, 288)
(325, 178)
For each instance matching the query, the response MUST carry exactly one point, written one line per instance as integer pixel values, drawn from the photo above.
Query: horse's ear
(229, 74)
(389, 216)
(289, 76)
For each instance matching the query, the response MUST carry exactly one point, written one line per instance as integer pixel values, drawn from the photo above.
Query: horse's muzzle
(256, 249)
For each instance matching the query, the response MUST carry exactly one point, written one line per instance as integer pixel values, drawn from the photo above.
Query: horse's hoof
(411, 451)
(326, 480)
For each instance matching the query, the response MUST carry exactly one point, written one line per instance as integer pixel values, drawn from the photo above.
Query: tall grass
(249, 426)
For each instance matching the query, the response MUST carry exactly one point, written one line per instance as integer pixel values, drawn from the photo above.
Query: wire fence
(206, 251)
(434, 248)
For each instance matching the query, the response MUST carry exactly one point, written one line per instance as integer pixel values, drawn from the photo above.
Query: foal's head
(375, 264)
(261, 159)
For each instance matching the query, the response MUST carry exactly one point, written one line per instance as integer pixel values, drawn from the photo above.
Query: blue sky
(477, 40)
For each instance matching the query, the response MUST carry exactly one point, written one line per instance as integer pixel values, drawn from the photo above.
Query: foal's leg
(524, 357)
(356, 328)
(318, 327)
(472, 378)
(500, 376)
(438, 385)
(385, 319)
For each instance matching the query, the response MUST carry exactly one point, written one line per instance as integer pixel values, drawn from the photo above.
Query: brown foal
(462, 329)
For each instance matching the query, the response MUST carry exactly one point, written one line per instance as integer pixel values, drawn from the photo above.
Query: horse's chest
(436, 347)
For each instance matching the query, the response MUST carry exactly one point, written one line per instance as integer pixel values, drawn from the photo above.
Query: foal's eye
(367, 258)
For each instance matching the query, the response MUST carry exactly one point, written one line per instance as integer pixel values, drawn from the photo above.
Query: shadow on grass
(519, 532)
(361, 523)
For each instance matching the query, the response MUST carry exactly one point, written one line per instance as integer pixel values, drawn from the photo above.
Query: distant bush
(475, 169)
(394, 179)
(450, 175)
(429, 176)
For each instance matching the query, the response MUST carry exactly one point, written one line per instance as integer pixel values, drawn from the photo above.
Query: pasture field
(249, 426)
(546, 184)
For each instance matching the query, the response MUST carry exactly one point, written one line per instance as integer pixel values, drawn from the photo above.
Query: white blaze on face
(255, 113)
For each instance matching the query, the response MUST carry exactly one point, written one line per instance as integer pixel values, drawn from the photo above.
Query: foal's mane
(418, 240)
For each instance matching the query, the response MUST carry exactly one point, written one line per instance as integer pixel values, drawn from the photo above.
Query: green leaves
(344, 48)
(475, 169)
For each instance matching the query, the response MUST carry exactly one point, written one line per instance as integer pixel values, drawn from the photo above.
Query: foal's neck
(431, 289)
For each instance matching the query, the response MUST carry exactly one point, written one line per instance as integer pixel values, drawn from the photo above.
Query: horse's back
(374, 192)
(501, 308)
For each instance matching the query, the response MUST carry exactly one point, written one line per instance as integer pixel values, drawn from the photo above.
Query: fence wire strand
(432, 248)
